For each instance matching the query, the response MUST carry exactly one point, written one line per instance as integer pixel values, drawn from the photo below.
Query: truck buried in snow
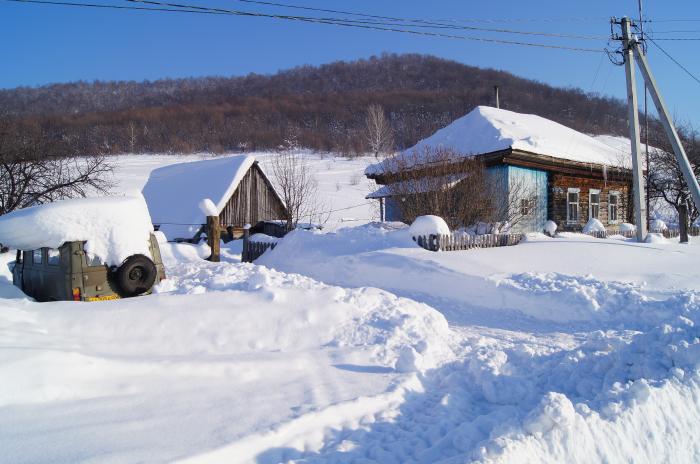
(88, 249)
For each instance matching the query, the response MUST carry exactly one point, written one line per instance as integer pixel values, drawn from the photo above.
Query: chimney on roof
(495, 90)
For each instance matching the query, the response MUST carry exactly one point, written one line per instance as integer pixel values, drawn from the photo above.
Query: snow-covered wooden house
(241, 192)
(570, 177)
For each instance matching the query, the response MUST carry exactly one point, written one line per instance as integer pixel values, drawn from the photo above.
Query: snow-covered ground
(354, 345)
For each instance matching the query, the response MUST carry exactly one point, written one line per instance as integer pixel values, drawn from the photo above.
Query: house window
(36, 256)
(572, 209)
(593, 204)
(613, 207)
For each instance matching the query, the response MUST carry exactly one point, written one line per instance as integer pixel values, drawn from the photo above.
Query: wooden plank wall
(253, 201)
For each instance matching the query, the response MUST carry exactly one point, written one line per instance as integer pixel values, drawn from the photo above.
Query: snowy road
(488, 356)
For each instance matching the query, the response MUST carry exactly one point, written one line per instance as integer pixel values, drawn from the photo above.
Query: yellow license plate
(102, 298)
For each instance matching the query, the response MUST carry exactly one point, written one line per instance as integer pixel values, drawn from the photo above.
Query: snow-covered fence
(675, 233)
(668, 233)
(456, 242)
(253, 250)
(612, 232)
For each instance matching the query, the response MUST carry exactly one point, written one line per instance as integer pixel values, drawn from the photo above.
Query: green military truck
(86, 249)
(70, 273)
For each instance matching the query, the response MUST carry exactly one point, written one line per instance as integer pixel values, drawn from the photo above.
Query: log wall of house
(559, 185)
(253, 201)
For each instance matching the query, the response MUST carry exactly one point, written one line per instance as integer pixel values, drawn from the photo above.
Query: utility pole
(495, 90)
(632, 50)
(646, 116)
(640, 212)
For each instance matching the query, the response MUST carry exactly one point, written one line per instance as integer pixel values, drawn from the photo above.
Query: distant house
(571, 177)
(238, 187)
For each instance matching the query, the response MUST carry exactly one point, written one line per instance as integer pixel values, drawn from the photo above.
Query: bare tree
(378, 132)
(666, 181)
(28, 176)
(296, 184)
(460, 190)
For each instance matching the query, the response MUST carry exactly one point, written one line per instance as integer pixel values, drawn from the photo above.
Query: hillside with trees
(323, 107)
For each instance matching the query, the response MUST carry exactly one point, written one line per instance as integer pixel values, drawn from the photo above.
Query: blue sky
(45, 44)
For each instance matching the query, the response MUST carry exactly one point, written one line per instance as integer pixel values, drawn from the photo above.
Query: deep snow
(358, 346)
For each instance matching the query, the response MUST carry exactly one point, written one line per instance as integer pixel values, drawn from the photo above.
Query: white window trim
(617, 194)
(592, 192)
(578, 204)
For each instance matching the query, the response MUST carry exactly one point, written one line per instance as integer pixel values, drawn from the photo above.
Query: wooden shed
(237, 186)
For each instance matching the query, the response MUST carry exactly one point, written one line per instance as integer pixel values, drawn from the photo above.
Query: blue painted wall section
(525, 183)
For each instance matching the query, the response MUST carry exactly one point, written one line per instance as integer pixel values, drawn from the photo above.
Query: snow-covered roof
(486, 130)
(174, 192)
(113, 228)
(414, 186)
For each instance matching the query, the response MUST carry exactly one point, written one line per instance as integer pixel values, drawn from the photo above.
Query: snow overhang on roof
(487, 130)
(174, 192)
(415, 186)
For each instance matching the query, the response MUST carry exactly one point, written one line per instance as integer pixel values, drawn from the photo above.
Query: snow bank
(657, 225)
(429, 225)
(550, 228)
(593, 225)
(113, 228)
(486, 129)
(627, 227)
(175, 194)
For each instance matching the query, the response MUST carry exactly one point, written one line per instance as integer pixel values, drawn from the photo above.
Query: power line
(112, 7)
(674, 60)
(672, 20)
(678, 39)
(349, 23)
(181, 8)
(410, 22)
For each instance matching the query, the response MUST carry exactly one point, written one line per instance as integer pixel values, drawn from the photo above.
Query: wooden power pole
(632, 50)
(640, 209)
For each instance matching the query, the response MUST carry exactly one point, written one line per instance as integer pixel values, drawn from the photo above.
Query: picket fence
(454, 242)
(668, 233)
(253, 250)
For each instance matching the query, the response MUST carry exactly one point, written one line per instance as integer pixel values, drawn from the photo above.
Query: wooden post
(214, 238)
(683, 222)
(245, 254)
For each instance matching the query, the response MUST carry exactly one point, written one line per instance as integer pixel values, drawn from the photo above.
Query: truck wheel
(135, 276)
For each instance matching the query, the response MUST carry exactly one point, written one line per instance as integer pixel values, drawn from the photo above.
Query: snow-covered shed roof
(413, 186)
(486, 130)
(174, 192)
(113, 228)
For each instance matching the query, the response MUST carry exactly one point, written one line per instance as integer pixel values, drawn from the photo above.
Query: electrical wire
(345, 23)
(112, 7)
(409, 22)
(674, 60)
(182, 8)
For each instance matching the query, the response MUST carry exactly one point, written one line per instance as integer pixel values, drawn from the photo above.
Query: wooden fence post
(683, 222)
(214, 238)
(245, 254)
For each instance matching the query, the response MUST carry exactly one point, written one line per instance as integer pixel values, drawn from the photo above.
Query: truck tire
(135, 276)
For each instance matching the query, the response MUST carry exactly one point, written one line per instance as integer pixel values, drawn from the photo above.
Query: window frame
(58, 255)
(592, 192)
(40, 252)
(614, 193)
(577, 191)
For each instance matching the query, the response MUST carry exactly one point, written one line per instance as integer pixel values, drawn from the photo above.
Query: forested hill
(323, 106)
